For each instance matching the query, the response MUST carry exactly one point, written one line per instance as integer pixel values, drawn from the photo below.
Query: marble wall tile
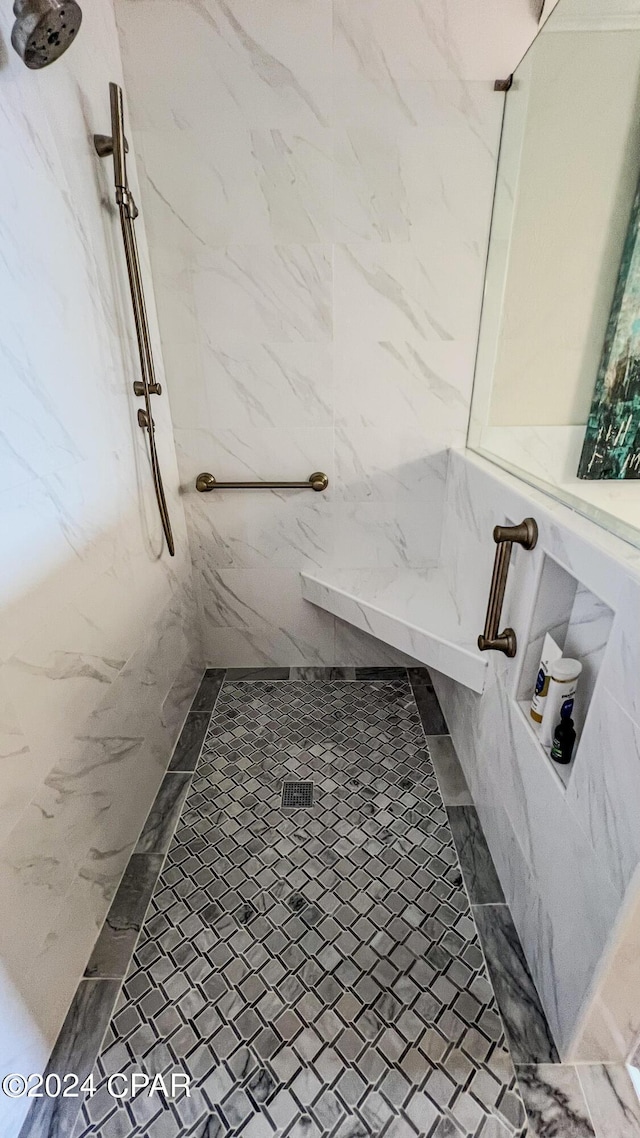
(269, 528)
(257, 647)
(97, 628)
(261, 67)
(264, 603)
(273, 294)
(427, 385)
(395, 469)
(383, 535)
(404, 183)
(618, 666)
(389, 57)
(605, 786)
(318, 202)
(268, 386)
(564, 857)
(610, 1021)
(249, 186)
(611, 1099)
(392, 287)
(18, 763)
(359, 649)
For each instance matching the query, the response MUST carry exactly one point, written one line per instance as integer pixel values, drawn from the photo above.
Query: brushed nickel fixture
(115, 144)
(317, 481)
(526, 535)
(44, 29)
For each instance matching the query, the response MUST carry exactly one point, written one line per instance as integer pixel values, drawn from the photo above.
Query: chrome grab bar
(116, 144)
(526, 535)
(317, 481)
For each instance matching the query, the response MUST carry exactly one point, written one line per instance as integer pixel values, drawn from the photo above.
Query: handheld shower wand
(115, 145)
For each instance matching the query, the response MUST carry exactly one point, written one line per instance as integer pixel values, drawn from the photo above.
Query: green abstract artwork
(611, 447)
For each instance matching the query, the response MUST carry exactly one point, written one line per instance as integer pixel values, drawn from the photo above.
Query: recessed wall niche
(580, 623)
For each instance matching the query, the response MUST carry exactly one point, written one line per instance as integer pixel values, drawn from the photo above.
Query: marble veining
(164, 813)
(554, 1101)
(187, 750)
(75, 1049)
(450, 775)
(612, 1099)
(207, 694)
(115, 945)
(529, 1037)
(478, 870)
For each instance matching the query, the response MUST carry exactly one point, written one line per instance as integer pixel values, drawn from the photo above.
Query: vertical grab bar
(526, 535)
(116, 145)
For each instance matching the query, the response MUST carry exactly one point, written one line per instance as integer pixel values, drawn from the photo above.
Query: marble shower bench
(413, 610)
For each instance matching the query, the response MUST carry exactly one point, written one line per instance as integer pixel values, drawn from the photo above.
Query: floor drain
(297, 794)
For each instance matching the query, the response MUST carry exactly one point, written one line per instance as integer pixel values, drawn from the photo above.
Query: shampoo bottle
(550, 652)
(563, 681)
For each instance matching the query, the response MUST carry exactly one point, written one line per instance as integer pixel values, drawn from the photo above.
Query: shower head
(44, 29)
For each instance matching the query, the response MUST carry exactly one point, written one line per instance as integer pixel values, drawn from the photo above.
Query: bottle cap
(565, 669)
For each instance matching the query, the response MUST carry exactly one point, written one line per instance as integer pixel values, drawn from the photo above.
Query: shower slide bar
(526, 535)
(115, 144)
(317, 481)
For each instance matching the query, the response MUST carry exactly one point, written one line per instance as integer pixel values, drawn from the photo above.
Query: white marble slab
(412, 611)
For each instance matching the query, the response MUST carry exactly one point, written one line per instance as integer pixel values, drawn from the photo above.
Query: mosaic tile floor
(316, 971)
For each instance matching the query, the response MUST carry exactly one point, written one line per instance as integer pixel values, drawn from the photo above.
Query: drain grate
(297, 794)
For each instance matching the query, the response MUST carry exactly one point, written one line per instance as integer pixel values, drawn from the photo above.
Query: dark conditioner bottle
(564, 740)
